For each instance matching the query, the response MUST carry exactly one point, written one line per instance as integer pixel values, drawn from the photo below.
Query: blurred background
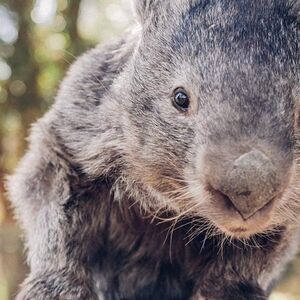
(38, 41)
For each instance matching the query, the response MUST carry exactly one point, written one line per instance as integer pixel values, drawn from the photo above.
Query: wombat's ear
(146, 9)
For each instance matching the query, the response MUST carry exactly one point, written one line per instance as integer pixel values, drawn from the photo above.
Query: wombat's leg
(59, 221)
(60, 285)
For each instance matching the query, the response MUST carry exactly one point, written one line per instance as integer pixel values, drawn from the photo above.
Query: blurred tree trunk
(71, 14)
(23, 63)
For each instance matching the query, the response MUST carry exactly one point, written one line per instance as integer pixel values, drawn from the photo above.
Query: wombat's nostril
(250, 183)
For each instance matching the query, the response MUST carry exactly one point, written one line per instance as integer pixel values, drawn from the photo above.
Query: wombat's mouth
(233, 223)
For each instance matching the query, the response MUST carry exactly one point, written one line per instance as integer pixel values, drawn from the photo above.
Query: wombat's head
(214, 113)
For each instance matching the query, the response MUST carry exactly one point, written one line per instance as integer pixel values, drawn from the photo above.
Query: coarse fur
(112, 193)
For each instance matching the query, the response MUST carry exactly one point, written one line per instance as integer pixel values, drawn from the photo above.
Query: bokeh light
(44, 11)
(5, 70)
(8, 25)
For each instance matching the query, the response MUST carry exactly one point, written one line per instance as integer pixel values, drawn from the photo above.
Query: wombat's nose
(250, 183)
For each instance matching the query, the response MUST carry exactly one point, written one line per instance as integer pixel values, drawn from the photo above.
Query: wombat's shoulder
(92, 75)
(85, 101)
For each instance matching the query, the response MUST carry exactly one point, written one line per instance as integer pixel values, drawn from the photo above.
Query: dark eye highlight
(181, 100)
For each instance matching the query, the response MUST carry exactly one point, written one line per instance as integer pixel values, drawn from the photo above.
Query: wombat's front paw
(54, 289)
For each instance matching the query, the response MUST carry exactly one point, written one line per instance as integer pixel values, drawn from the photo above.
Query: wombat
(168, 166)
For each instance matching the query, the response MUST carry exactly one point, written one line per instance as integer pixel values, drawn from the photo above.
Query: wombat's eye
(181, 100)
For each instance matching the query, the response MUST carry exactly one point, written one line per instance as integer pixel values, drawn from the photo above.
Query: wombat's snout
(250, 183)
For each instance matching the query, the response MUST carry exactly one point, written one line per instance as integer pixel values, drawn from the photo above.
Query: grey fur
(112, 193)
